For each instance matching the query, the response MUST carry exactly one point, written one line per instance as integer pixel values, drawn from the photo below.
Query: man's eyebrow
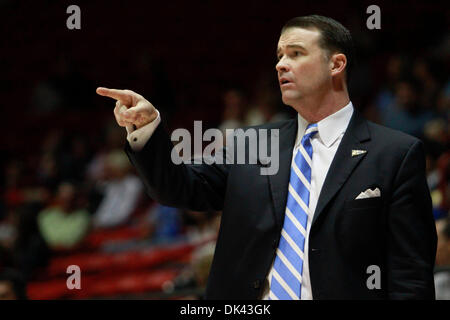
(291, 46)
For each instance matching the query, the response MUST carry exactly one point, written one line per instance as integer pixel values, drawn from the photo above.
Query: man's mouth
(285, 81)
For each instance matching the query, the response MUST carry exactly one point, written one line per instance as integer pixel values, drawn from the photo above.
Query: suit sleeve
(412, 236)
(198, 187)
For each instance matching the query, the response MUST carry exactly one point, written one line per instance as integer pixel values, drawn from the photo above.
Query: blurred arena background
(68, 193)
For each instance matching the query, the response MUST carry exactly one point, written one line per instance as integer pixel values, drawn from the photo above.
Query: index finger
(120, 95)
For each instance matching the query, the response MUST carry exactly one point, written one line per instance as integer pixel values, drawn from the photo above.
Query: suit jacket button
(256, 284)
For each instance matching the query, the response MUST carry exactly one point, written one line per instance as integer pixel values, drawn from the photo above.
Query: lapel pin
(358, 152)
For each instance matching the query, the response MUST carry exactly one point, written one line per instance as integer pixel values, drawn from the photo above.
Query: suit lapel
(341, 167)
(344, 162)
(279, 182)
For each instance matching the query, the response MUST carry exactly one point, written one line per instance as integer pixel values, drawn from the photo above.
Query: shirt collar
(330, 128)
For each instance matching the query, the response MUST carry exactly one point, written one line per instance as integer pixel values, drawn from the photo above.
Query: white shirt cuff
(139, 137)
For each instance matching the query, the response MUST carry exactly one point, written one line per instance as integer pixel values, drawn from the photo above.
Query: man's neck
(317, 108)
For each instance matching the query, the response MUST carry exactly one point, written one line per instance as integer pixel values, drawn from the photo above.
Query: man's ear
(338, 62)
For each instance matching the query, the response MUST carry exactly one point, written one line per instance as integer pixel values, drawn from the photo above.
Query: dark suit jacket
(395, 232)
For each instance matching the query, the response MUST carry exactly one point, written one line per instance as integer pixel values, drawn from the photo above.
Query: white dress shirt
(325, 144)
(139, 137)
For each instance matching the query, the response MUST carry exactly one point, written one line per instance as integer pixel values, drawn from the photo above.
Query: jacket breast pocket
(360, 227)
(361, 204)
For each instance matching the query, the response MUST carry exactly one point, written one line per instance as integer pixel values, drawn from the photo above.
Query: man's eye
(296, 53)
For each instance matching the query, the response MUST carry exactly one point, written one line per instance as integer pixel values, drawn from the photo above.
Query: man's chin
(289, 99)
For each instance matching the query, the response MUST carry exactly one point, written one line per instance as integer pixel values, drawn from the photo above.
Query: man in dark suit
(346, 216)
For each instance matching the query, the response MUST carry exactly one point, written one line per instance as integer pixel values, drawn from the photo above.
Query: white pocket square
(369, 193)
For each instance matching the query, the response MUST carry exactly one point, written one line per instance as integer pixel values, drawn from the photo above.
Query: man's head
(315, 55)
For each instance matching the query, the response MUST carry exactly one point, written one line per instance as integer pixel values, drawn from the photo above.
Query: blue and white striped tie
(286, 283)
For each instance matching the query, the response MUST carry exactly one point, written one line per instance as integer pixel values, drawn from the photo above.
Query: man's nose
(282, 66)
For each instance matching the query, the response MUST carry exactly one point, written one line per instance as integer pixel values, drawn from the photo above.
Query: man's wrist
(138, 137)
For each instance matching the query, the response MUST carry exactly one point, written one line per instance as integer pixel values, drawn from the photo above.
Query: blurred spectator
(233, 114)
(442, 273)
(430, 86)
(444, 99)
(75, 159)
(12, 285)
(443, 248)
(6, 258)
(63, 225)
(122, 191)
(165, 223)
(2, 209)
(13, 192)
(8, 232)
(48, 172)
(234, 109)
(443, 165)
(265, 109)
(113, 139)
(202, 228)
(405, 113)
(159, 225)
(63, 87)
(194, 277)
(30, 249)
(201, 263)
(385, 96)
(265, 105)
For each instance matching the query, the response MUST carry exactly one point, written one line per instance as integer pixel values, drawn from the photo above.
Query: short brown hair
(334, 36)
